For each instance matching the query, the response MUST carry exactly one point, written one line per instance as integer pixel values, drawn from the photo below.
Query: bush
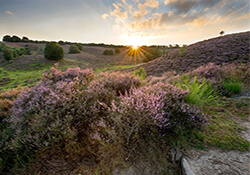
(108, 52)
(8, 53)
(53, 51)
(117, 51)
(79, 46)
(74, 49)
(140, 73)
(2, 46)
(160, 106)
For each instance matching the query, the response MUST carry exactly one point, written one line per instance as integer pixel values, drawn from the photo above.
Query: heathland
(103, 107)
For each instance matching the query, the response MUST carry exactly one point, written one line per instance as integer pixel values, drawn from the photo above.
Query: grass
(233, 86)
(223, 130)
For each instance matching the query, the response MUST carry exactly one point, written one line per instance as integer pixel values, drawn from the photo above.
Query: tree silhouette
(222, 33)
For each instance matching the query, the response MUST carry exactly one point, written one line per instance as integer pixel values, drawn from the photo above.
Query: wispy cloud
(105, 16)
(8, 12)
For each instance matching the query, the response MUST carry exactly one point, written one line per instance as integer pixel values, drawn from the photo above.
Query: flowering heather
(76, 107)
(161, 106)
(234, 48)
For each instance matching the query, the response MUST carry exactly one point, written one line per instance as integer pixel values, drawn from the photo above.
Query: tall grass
(233, 86)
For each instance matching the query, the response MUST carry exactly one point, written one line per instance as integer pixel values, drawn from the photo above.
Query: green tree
(7, 38)
(53, 51)
(16, 38)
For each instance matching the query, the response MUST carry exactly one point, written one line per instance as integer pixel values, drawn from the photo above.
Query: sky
(127, 22)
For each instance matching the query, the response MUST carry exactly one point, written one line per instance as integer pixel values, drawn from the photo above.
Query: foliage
(7, 38)
(53, 51)
(222, 33)
(25, 39)
(140, 73)
(79, 45)
(199, 93)
(160, 107)
(74, 49)
(2, 46)
(8, 54)
(117, 51)
(108, 52)
(232, 86)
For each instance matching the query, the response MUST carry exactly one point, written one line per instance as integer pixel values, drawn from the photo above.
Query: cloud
(141, 13)
(105, 16)
(153, 22)
(152, 3)
(8, 12)
(118, 13)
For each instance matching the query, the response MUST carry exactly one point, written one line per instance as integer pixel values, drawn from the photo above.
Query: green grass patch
(199, 93)
(233, 86)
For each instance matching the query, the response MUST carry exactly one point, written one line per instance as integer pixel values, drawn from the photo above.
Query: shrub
(108, 52)
(160, 106)
(117, 51)
(140, 73)
(27, 49)
(79, 46)
(53, 51)
(2, 46)
(232, 86)
(8, 53)
(74, 49)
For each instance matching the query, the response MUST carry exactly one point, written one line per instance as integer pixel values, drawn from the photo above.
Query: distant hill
(224, 49)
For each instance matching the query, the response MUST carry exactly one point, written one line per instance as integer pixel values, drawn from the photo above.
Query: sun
(135, 41)
(135, 46)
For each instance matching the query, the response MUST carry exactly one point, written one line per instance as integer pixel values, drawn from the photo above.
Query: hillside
(226, 49)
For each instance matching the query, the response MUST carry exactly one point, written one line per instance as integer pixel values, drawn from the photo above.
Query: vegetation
(79, 45)
(8, 53)
(53, 51)
(108, 52)
(140, 73)
(74, 49)
(73, 121)
(233, 87)
(117, 51)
